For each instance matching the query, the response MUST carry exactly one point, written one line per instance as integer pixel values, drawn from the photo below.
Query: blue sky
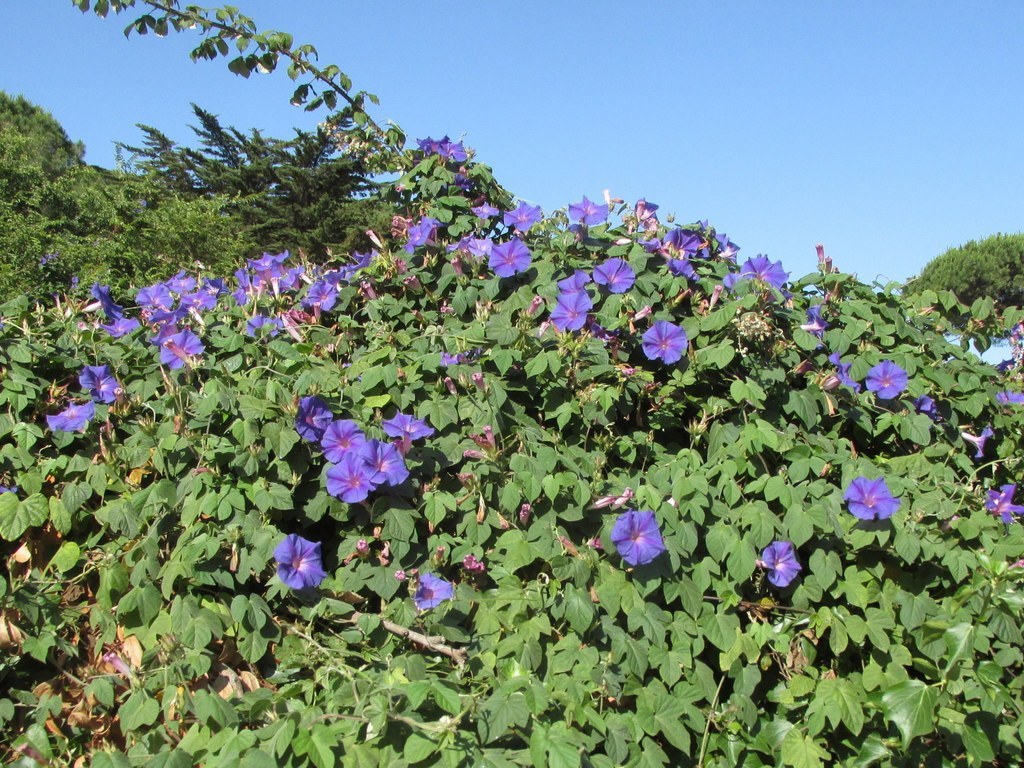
(887, 131)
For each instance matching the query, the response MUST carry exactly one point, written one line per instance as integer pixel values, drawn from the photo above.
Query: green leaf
(17, 516)
(801, 751)
(911, 706)
(140, 709)
(66, 557)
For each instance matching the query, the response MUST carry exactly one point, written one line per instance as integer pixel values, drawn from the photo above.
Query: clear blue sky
(887, 131)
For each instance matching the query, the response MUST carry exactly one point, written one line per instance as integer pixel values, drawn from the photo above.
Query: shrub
(749, 525)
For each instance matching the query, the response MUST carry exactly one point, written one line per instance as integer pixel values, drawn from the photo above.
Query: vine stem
(707, 724)
(435, 644)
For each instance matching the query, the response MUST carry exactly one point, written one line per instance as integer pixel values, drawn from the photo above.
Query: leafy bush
(820, 566)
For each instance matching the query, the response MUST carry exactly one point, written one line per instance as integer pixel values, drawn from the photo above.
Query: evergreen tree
(993, 267)
(301, 193)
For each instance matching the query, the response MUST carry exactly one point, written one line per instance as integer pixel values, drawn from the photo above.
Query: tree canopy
(992, 267)
(302, 192)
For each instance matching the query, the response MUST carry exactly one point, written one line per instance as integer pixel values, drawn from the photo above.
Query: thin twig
(435, 644)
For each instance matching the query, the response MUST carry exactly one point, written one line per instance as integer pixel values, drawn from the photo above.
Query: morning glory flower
(255, 323)
(511, 258)
(102, 294)
(588, 212)
(979, 441)
(155, 297)
(422, 233)
(727, 249)
(779, 559)
(180, 283)
(121, 326)
(523, 217)
(681, 268)
(575, 283)
(570, 312)
(843, 372)
(8, 489)
(928, 407)
(72, 419)
(485, 211)
(1000, 503)
(815, 325)
(681, 241)
(616, 275)
(1010, 398)
(761, 269)
(298, 562)
(351, 479)
(179, 349)
(387, 467)
(431, 591)
(313, 418)
(887, 380)
(870, 499)
(102, 386)
(405, 426)
(340, 438)
(665, 341)
(321, 295)
(637, 538)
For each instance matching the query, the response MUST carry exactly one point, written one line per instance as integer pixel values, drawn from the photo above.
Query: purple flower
(180, 283)
(256, 322)
(870, 499)
(681, 241)
(351, 479)
(575, 283)
(179, 348)
(727, 249)
(637, 538)
(102, 294)
(341, 437)
(405, 426)
(815, 325)
(485, 211)
(523, 217)
(665, 341)
(681, 268)
(8, 489)
(313, 418)
(155, 297)
(431, 591)
(298, 562)
(1001, 503)
(455, 359)
(509, 258)
(102, 386)
(422, 233)
(887, 380)
(73, 419)
(588, 212)
(761, 269)
(1010, 398)
(779, 559)
(570, 312)
(616, 275)
(387, 467)
(121, 326)
(928, 407)
(322, 295)
(843, 372)
(979, 441)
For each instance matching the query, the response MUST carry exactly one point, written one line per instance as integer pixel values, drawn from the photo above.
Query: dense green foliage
(64, 222)
(140, 587)
(990, 268)
(302, 193)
